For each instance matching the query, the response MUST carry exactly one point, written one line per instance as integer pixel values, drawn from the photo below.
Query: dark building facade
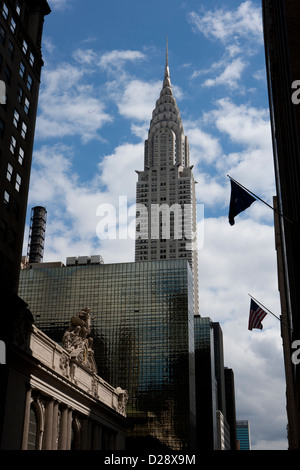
(143, 336)
(21, 26)
(281, 22)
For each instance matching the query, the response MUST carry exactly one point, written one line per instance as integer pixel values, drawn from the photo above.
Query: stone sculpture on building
(77, 342)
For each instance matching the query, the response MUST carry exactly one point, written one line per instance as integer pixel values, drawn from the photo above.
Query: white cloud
(69, 107)
(230, 76)
(138, 99)
(58, 4)
(115, 60)
(240, 33)
(226, 25)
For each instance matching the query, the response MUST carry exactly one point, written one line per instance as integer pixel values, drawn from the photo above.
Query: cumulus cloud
(240, 33)
(230, 76)
(226, 25)
(68, 106)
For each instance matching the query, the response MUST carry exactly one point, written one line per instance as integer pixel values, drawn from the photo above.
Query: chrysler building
(166, 223)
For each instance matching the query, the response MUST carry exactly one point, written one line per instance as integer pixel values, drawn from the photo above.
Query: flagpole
(270, 312)
(257, 197)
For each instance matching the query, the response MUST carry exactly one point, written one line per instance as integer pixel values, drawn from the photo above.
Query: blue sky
(104, 66)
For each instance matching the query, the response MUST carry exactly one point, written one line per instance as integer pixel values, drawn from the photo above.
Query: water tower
(37, 234)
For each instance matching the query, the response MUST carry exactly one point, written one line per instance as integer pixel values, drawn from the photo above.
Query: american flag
(257, 314)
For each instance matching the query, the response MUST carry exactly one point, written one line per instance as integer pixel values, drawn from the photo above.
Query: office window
(26, 105)
(24, 130)
(2, 35)
(18, 7)
(9, 172)
(25, 47)
(19, 93)
(18, 182)
(13, 143)
(5, 11)
(29, 82)
(11, 49)
(6, 198)
(31, 59)
(21, 156)
(12, 25)
(16, 118)
(22, 69)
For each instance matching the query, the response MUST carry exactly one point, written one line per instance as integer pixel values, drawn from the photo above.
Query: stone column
(69, 428)
(47, 440)
(26, 420)
(62, 443)
(55, 426)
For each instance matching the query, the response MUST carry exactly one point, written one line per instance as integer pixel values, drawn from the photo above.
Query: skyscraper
(243, 434)
(166, 201)
(143, 336)
(21, 26)
(281, 23)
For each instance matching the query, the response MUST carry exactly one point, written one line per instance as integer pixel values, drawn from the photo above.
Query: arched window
(33, 429)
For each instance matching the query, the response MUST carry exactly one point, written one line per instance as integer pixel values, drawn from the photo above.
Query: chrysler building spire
(167, 184)
(167, 73)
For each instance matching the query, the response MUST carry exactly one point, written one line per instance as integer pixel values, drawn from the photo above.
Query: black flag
(239, 201)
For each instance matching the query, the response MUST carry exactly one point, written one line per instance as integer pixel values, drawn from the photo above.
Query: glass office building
(142, 330)
(243, 434)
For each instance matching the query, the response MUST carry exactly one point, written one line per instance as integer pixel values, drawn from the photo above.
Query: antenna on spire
(167, 53)
(167, 73)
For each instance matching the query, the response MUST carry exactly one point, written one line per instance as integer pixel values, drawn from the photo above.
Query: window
(29, 82)
(25, 47)
(31, 59)
(21, 156)
(2, 35)
(33, 430)
(11, 49)
(26, 105)
(22, 69)
(18, 7)
(18, 182)
(1, 127)
(16, 118)
(20, 93)
(9, 172)
(12, 25)
(13, 143)
(24, 130)
(6, 198)
(5, 11)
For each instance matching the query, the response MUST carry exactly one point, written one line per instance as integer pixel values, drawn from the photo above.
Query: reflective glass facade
(143, 335)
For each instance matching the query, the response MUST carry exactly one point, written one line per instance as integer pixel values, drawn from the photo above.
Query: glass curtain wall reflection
(143, 335)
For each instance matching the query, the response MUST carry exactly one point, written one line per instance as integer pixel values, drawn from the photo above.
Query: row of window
(12, 24)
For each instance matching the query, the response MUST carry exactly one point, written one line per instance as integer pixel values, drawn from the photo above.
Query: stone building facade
(56, 400)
